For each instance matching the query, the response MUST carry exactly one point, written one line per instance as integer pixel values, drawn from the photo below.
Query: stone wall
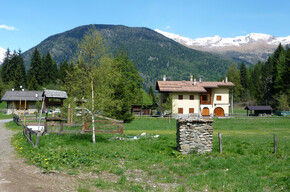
(194, 135)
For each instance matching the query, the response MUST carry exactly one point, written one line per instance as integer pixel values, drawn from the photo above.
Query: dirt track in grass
(16, 175)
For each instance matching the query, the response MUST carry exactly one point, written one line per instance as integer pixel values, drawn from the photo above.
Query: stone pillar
(194, 135)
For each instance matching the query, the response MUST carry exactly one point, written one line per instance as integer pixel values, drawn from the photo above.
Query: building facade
(30, 101)
(195, 99)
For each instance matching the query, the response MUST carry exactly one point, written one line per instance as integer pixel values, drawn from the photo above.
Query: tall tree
(20, 73)
(36, 70)
(91, 49)
(153, 97)
(234, 76)
(51, 72)
(6, 67)
(129, 86)
(63, 71)
(245, 95)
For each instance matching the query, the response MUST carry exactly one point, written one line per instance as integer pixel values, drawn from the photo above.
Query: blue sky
(25, 23)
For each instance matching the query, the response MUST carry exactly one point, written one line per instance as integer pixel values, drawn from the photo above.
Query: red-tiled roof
(187, 86)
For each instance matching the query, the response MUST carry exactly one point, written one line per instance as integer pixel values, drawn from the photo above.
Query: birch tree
(91, 48)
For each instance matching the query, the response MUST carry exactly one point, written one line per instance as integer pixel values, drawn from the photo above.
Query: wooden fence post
(275, 143)
(68, 113)
(220, 143)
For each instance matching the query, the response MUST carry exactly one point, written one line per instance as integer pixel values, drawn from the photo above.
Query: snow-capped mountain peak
(2, 54)
(217, 41)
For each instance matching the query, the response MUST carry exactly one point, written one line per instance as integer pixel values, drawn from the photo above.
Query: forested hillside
(153, 54)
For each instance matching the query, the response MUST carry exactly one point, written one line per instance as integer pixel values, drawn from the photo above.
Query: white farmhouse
(195, 98)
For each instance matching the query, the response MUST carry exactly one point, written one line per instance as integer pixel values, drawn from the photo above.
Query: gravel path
(17, 176)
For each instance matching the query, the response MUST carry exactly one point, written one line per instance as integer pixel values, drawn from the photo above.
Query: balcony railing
(205, 102)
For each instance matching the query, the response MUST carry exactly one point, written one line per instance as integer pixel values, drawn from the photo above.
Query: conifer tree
(234, 76)
(50, 67)
(19, 78)
(153, 97)
(36, 69)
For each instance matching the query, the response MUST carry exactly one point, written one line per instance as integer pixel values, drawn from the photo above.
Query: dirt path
(17, 176)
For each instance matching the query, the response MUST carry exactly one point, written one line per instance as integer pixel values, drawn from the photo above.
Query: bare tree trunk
(93, 116)
(93, 98)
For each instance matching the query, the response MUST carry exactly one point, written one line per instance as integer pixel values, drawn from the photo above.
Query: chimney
(200, 80)
(226, 79)
(36, 95)
(12, 89)
(164, 77)
(194, 81)
(191, 77)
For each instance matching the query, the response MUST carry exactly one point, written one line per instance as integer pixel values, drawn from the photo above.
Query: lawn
(153, 164)
(4, 116)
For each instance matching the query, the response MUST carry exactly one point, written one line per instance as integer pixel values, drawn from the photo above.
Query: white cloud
(168, 27)
(10, 28)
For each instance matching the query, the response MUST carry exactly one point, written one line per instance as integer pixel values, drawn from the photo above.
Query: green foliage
(50, 69)
(234, 76)
(36, 72)
(127, 90)
(13, 70)
(268, 82)
(166, 107)
(153, 97)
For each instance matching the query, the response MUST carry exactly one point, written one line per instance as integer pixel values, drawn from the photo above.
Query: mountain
(154, 54)
(250, 48)
(2, 54)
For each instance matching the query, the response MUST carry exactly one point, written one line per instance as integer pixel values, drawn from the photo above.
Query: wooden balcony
(205, 99)
(205, 102)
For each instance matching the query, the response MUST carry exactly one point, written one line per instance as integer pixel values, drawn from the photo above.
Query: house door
(219, 111)
(205, 111)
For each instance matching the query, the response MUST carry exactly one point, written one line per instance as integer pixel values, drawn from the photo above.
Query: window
(218, 97)
(191, 110)
(180, 97)
(191, 97)
(180, 110)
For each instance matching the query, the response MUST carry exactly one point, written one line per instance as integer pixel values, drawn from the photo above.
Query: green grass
(3, 105)
(247, 162)
(4, 116)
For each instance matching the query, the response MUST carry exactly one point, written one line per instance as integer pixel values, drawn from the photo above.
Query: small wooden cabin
(27, 101)
(16, 101)
(259, 110)
(141, 109)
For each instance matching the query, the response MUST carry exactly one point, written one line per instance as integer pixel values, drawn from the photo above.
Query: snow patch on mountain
(217, 41)
(2, 54)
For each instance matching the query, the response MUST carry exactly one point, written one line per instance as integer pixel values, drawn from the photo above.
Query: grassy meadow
(153, 164)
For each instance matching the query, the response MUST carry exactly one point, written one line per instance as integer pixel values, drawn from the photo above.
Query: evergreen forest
(264, 83)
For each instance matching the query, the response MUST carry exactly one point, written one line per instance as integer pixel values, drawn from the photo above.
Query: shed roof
(55, 94)
(188, 86)
(259, 108)
(22, 95)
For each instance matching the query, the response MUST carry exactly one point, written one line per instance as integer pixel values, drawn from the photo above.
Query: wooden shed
(259, 110)
(141, 109)
(54, 97)
(19, 101)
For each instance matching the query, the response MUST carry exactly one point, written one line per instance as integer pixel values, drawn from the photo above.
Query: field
(117, 162)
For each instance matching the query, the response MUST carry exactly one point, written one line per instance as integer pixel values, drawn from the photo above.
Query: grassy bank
(153, 164)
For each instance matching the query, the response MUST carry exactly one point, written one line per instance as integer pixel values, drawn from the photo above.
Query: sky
(25, 23)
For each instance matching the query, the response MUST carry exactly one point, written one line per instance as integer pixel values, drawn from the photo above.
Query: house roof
(22, 95)
(259, 108)
(188, 86)
(55, 94)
